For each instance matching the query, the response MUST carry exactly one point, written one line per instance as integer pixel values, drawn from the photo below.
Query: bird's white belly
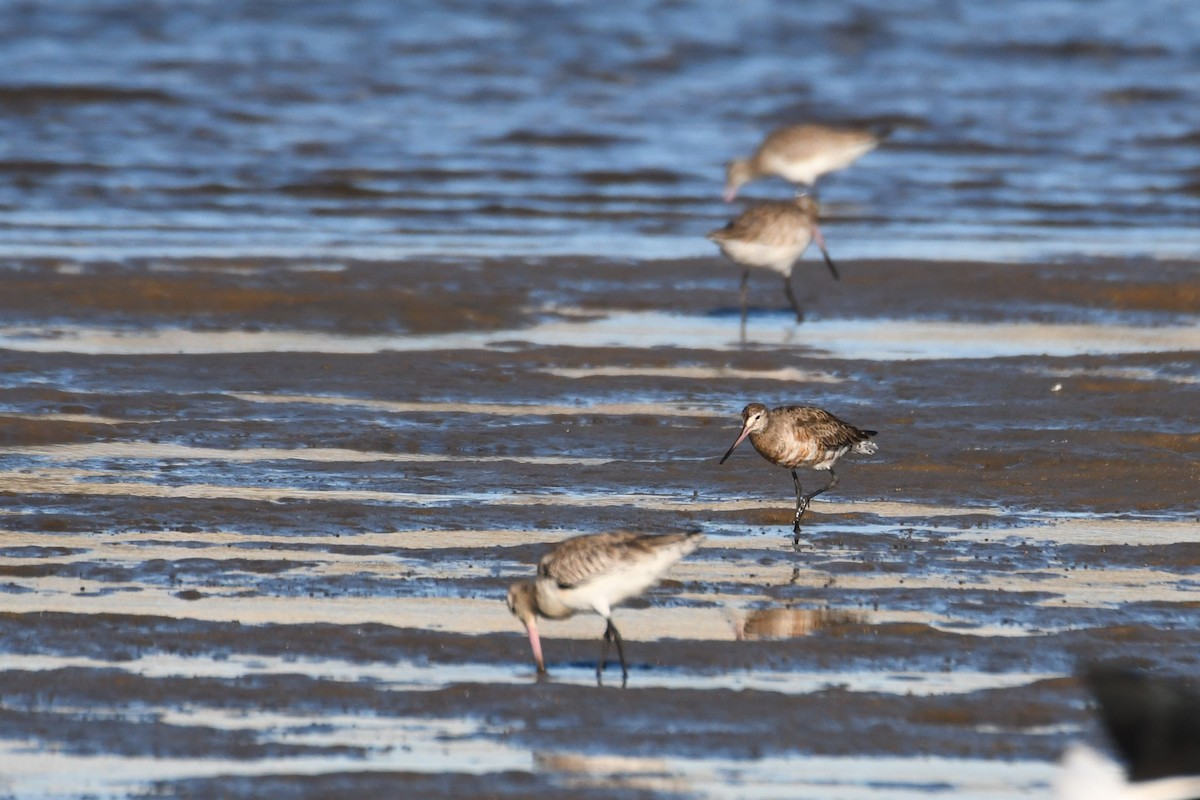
(809, 169)
(825, 458)
(602, 593)
(806, 171)
(778, 258)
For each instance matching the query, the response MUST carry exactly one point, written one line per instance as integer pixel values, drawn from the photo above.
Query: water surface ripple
(1021, 130)
(320, 322)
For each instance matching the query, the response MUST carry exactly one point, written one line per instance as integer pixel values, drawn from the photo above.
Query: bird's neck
(549, 601)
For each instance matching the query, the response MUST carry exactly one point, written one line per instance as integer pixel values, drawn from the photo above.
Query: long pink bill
(828, 261)
(744, 434)
(536, 644)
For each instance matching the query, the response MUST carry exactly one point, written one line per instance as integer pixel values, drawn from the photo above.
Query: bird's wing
(583, 558)
(807, 141)
(759, 223)
(827, 429)
(793, 143)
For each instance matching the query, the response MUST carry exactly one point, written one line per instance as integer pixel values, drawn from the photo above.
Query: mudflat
(259, 515)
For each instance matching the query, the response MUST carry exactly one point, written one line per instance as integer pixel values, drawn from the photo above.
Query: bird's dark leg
(833, 479)
(787, 288)
(620, 653)
(801, 505)
(828, 261)
(603, 654)
(744, 296)
(611, 634)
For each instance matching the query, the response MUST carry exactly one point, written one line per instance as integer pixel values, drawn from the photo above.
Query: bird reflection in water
(787, 623)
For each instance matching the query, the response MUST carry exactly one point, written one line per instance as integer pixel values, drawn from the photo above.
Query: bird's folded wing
(577, 561)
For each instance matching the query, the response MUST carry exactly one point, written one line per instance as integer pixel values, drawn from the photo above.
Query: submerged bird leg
(611, 634)
(802, 501)
(801, 506)
(787, 288)
(603, 655)
(620, 653)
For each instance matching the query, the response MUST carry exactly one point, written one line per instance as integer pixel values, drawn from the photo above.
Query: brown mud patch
(423, 297)
(282, 572)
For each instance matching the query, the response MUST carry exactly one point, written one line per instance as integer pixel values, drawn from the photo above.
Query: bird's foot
(600, 676)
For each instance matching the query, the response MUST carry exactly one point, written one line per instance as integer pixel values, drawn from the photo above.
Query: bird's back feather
(584, 558)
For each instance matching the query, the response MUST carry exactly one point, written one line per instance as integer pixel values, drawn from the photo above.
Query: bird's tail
(866, 446)
(694, 537)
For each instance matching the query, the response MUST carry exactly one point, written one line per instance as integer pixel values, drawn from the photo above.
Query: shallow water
(359, 129)
(323, 321)
(338, 601)
(875, 339)
(44, 775)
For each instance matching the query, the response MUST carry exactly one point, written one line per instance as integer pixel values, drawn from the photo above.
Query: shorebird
(594, 573)
(800, 154)
(1153, 723)
(773, 236)
(801, 436)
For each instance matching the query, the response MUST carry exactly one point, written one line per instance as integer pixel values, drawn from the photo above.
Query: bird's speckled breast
(787, 451)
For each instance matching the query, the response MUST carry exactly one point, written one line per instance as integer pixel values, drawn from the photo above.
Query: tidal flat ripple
(320, 322)
(280, 570)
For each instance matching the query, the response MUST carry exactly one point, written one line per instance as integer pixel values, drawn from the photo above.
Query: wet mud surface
(258, 518)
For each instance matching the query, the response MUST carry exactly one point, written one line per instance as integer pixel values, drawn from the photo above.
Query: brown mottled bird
(801, 436)
(800, 154)
(773, 236)
(594, 573)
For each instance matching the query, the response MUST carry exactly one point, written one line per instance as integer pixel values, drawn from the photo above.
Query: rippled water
(257, 515)
(876, 339)
(364, 127)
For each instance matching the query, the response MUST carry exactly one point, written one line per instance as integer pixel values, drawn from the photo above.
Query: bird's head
(754, 420)
(737, 173)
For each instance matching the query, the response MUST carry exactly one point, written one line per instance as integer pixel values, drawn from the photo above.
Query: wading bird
(594, 573)
(801, 436)
(800, 154)
(773, 236)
